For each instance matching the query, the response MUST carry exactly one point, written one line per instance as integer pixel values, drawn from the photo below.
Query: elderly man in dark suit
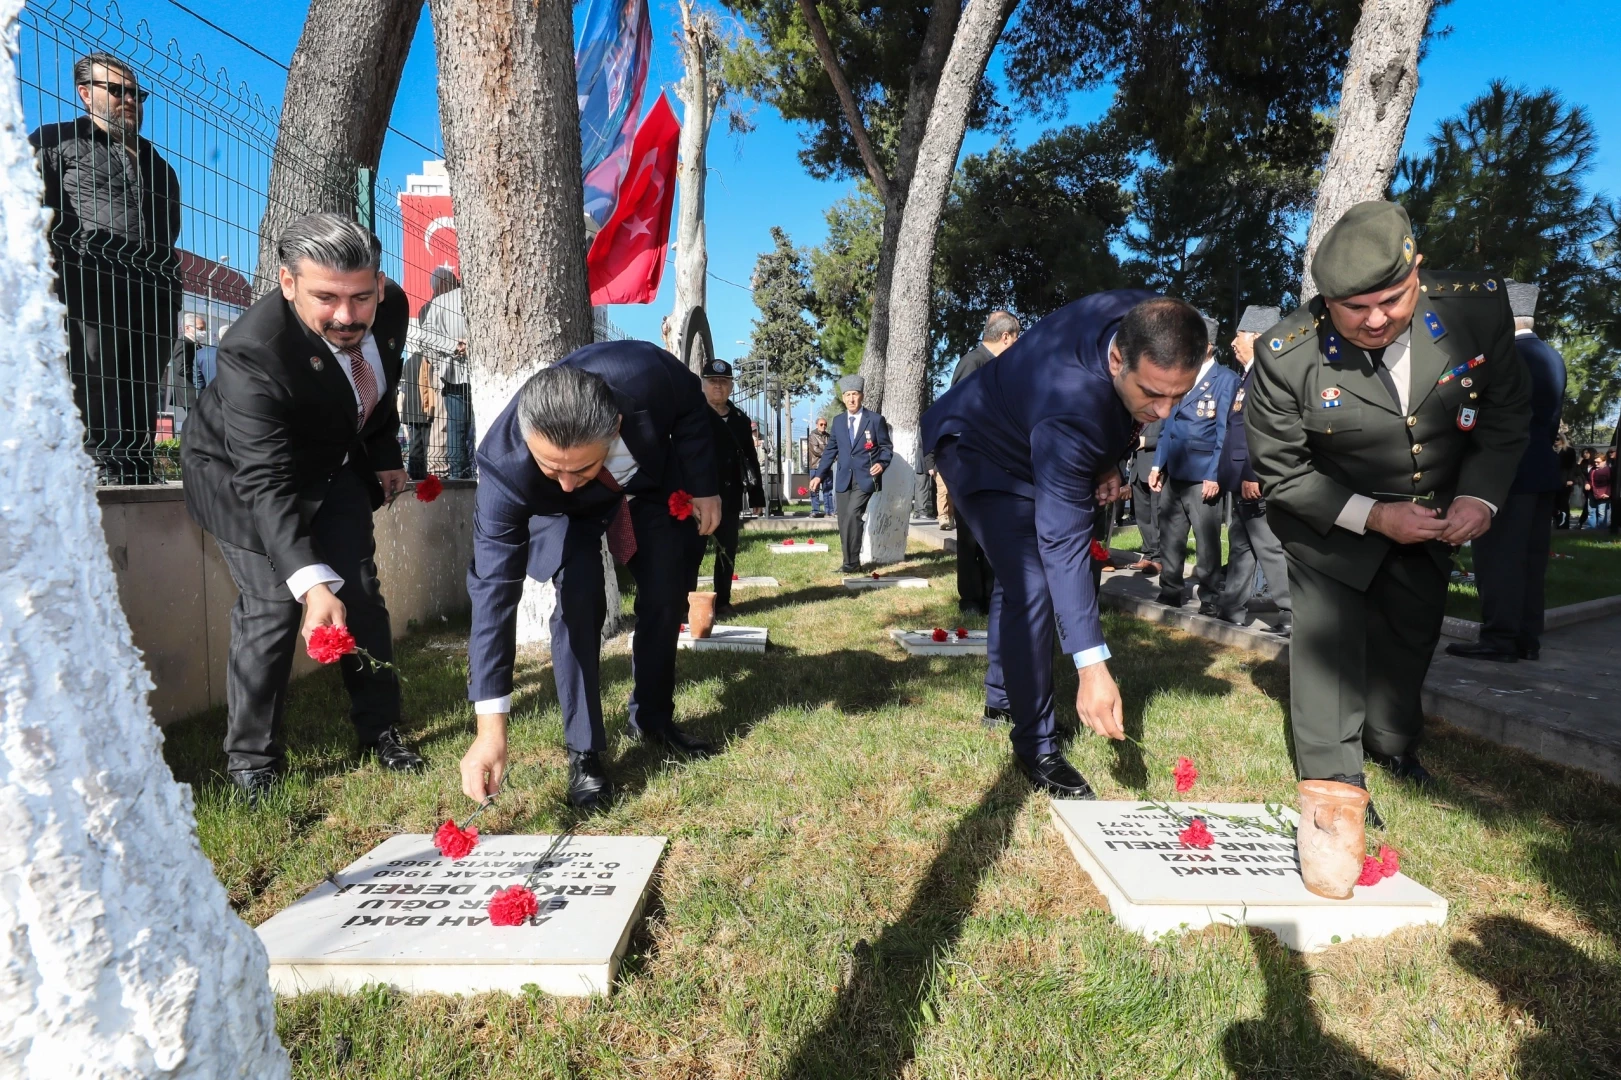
(1031, 447)
(974, 578)
(1511, 558)
(290, 450)
(617, 440)
(860, 446)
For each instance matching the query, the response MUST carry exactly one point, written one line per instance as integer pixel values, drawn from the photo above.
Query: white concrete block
(869, 582)
(798, 548)
(922, 643)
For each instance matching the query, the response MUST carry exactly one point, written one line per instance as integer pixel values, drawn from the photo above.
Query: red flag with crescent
(626, 262)
(429, 227)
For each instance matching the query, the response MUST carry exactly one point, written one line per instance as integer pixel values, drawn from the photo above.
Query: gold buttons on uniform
(1417, 477)
(1412, 421)
(1473, 394)
(1418, 448)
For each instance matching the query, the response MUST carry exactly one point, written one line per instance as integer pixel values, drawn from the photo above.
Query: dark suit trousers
(1511, 563)
(1182, 508)
(725, 538)
(1251, 542)
(852, 508)
(1145, 506)
(1357, 660)
(265, 627)
(975, 581)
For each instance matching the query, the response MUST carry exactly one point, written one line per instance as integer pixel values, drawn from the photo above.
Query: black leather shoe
(673, 738)
(1477, 651)
(254, 784)
(1207, 608)
(1403, 767)
(847, 569)
(995, 718)
(1285, 627)
(1053, 774)
(971, 607)
(394, 754)
(1530, 652)
(1371, 818)
(588, 785)
(1171, 600)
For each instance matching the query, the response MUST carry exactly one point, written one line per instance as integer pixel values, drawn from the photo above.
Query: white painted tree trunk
(889, 513)
(122, 956)
(691, 251)
(1376, 97)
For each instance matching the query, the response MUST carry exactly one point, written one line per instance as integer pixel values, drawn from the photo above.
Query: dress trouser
(725, 537)
(665, 568)
(1145, 507)
(1357, 660)
(1181, 508)
(1511, 563)
(265, 627)
(975, 581)
(942, 498)
(852, 507)
(1251, 542)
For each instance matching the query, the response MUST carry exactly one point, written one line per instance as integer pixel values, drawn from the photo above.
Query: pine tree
(783, 357)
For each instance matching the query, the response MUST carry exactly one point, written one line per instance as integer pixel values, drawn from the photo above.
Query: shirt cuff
(309, 577)
(502, 705)
(1354, 514)
(1095, 655)
(1481, 501)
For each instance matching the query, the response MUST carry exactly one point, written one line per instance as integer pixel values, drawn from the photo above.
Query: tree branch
(824, 49)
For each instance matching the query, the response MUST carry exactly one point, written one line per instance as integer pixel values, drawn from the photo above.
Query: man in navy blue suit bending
(1030, 447)
(614, 440)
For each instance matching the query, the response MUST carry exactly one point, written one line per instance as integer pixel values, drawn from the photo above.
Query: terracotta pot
(701, 620)
(1332, 840)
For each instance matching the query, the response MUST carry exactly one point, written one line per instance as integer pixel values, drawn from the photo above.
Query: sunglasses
(120, 90)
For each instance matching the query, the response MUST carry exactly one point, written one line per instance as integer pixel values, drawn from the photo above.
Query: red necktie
(621, 536)
(365, 381)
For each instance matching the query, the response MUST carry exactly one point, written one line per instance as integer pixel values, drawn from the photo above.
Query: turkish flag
(626, 261)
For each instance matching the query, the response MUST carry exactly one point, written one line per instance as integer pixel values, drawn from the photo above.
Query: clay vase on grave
(1331, 840)
(701, 615)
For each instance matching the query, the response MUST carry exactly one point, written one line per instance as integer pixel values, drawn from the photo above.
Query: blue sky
(756, 181)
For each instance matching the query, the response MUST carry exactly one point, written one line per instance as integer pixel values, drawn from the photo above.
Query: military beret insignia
(317, 363)
(1407, 249)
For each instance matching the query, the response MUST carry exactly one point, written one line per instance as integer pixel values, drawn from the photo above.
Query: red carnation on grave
(1376, 869)
(736, 578)
(680, 505)
(1099, 552)
(329, 644)
(683, 628)
(788, 542)
(939, 634)
(962, 632)
(454, 842)
(802, 491)
(875, 575)
(1196, 835)
(1184, 774)
(428, 488)
(512, 906)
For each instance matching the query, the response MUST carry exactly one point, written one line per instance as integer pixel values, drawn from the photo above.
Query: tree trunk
(691, 253)
(1381, 78)
(340, 94)
(123, 958)
(906, 375)
(512, 150)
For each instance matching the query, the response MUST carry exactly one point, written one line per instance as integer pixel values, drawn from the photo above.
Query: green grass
(1591, 570)
(862, 886)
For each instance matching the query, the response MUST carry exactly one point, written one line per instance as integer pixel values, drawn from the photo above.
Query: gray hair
(568, 407)
(998, 324)
(329, 240)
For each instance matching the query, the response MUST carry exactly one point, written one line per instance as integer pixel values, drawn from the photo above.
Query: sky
(757, 181)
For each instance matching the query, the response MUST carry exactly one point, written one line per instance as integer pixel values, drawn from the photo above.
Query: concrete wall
(177, 593)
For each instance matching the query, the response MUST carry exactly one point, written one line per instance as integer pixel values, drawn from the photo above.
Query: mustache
(342, 327)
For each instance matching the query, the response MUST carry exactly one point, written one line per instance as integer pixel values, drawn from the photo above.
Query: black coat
(736, 460)
(1540, 468)
(1235, 450)
(972, 361)
(276, 424)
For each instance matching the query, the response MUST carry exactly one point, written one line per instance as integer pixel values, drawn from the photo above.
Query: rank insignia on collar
(317, 363)
(1432, 323)
(1331, 347)
(1491, 284)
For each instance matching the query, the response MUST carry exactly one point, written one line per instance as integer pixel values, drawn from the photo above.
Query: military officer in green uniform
(1386, 421)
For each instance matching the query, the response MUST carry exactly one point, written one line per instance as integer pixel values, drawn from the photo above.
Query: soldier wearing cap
(1251, 543)
(1511, 559)
(860, 445)
(1385, 420)
(739, 466)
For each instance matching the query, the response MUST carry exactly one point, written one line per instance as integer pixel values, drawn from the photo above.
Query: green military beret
(1368, 249)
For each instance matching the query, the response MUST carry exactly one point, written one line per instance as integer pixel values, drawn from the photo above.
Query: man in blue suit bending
(615, 439)
(1030, 447)
(860, 444)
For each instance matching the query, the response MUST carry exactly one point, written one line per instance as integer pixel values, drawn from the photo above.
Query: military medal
(1238, 401)
(1466, 382)
(1461, 369)
(1331, 398)
(317, 363)
(1466, 419)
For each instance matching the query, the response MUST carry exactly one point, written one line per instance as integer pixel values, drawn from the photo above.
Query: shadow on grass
(1288, 1040)
(1271, 677)
(872, 1029)
(1146, 661)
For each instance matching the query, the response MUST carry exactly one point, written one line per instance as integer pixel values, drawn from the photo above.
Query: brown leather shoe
(1143, 566)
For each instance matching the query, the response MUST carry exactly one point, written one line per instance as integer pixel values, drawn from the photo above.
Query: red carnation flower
(939, 634)
(869, 444)
(962, 632)
(683, 629)
(680, 505)
(329, 644)
(1099, 552)
(1184, 774)
(875, 575)
(428, 488)
(788, 542)
(512, 906)
(454, 842)
(1376, 869)
(736, 578)
(1196, 835)
(802, 491)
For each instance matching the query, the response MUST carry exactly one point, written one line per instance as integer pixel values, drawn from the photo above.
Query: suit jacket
(1044, 422)
(1322, 427)
(854, 459)
(1540, 468)
(736, 461)
(972, 361)
(1235, 450)
(524, 524)
(277, 423)
(1192, 440)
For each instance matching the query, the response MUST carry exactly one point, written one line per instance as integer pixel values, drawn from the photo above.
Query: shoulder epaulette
(1291, 332)
(1449, 283)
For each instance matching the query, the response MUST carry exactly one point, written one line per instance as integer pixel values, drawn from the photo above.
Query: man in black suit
(614, 439)
(289, 452)
(738, 468)
(975, 581)
(861, 447)
(1511, 558)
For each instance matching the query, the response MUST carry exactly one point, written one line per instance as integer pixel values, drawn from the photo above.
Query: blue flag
(612, 52)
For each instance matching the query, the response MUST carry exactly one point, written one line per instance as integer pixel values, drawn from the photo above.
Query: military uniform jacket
(1322, 426)
(1193, 438)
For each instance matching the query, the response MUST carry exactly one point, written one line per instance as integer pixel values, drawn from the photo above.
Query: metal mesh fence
(158, 174)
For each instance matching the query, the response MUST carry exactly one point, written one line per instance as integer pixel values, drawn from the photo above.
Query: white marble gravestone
(726, 639)
(404, 915)
(755, 583)
(922, 643)
(1156, 885)
(870, 582)
(798, 547)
